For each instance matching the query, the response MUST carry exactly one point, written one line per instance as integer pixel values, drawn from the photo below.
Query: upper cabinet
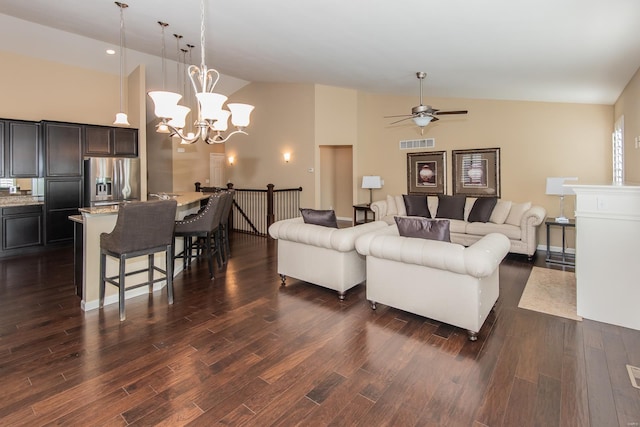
(98, 141)
(125, 142)
(109, 141)
(63, 149)
(20, 149)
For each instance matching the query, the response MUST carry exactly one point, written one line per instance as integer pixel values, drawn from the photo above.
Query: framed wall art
(476, 173)
(426, 173)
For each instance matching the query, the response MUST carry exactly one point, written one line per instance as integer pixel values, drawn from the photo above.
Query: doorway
(336, 179)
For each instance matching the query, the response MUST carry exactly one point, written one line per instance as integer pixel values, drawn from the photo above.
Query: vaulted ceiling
(549, 50)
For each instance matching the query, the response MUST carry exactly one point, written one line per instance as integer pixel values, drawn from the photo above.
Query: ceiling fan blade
(401, 115)
(401, 120)
(451, 112)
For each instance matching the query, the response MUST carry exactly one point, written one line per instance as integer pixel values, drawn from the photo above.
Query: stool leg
(209, 254)
(218, 243)
(150, 272)
(121, 287)
(169, 270)
(103, 262)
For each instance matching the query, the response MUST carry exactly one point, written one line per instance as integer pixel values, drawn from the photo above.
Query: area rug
(551, 292)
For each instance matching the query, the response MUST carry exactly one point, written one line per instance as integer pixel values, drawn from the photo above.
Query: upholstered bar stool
(142, 228)
(223, 231)
(203, 226)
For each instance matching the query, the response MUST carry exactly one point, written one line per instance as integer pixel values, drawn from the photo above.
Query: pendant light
(211, 120)
(121, 117)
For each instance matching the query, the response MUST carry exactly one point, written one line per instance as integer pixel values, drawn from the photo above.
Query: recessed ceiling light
(111, 52)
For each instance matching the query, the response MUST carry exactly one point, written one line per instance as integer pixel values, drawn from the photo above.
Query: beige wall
(536, 140)
(283, 121)
(629, 105)
(35, 89)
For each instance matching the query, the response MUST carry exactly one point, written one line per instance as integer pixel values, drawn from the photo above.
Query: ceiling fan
(421, 114)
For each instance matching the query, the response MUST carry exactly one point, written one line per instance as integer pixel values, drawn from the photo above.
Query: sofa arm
(363, 243)
(484, 256)
(478, 260)
(339, 239)
(379, 209)
(344, 239)
(533, 217)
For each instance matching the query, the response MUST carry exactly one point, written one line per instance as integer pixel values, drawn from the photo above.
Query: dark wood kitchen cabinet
(22, 227)
(63, 197)
(110, 141)
(20, 149)
(63, 183)
(63, 149)
(2, 126)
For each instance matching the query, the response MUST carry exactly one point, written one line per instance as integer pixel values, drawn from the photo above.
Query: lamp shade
(165, 103)
(210, 104)
(555, 186)
(221, 121)
(179, 116)
(121, 119)
(240, 114)
(371, 182)
(422, 120)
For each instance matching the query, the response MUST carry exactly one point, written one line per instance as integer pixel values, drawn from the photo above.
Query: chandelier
(212, 119)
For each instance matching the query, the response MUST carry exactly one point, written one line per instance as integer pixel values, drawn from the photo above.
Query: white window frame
(617, 143)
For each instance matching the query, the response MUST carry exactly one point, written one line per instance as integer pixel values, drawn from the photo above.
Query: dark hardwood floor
(241, 350)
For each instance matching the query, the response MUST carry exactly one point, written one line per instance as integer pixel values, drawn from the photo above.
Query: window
(7, 182)
(618, 151)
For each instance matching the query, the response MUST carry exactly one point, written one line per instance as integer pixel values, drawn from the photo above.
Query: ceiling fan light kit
(422, 114)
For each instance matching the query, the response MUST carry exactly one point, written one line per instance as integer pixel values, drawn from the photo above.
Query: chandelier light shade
(212, 119)
(121, 117)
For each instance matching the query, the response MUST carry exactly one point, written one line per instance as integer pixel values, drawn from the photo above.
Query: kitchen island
(98, 220)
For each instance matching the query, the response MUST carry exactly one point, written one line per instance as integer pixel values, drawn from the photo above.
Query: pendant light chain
(121, 54)
(121, 117)
(163, 25)
(202, 41)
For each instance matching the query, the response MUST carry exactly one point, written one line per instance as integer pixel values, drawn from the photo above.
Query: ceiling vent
(417, 143)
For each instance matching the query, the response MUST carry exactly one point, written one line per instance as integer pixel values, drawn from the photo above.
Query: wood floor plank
(243, 350)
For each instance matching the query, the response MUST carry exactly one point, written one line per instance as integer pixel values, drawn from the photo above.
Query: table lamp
(371, 182)
(555, 187)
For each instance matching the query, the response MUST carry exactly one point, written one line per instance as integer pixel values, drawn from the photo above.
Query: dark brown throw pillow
(451, 207)
(326, 218)
(416, 205)
(423, 228)
(482, 208)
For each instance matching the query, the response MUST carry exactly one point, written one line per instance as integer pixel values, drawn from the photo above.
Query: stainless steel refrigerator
(111, 180)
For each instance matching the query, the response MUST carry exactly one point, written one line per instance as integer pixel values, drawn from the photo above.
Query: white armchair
(321, 255)
(439, 280)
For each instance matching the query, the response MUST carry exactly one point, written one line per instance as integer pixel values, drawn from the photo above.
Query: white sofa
(439, 280)
(321, 255)
(517, 221)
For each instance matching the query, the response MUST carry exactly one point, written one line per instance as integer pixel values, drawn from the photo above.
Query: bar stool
(142, 228)
(204, 226)
(224, 225)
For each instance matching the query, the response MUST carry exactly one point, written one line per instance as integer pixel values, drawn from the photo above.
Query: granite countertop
(21, 200)
(183, 199)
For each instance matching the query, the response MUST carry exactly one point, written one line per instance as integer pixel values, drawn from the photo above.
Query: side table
(562, 257)
(366, 208)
